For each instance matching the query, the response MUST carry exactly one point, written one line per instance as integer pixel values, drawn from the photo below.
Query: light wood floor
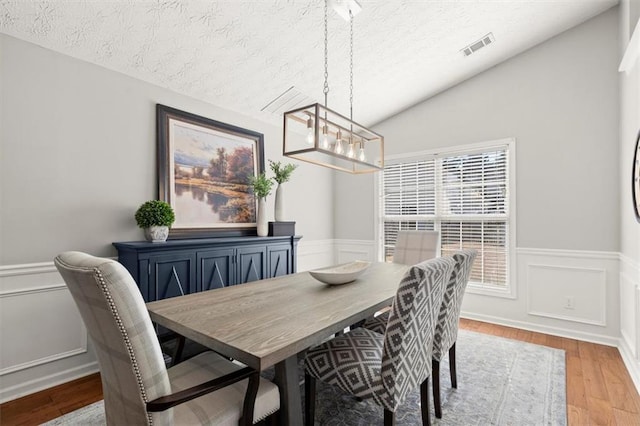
(599, 388)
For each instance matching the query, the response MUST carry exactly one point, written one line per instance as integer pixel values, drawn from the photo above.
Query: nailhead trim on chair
(125, 336)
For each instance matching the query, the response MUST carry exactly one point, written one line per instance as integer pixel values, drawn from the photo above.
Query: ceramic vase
(156, 234)
(261, 218)
(279, 213)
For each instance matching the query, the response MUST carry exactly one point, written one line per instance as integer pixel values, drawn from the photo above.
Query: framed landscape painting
(204, 167)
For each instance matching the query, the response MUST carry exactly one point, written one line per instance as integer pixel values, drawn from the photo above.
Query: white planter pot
(261, 218)
(156, 234)
(279, 210)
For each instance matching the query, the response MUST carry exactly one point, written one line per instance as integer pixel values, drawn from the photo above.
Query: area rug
(500, 382)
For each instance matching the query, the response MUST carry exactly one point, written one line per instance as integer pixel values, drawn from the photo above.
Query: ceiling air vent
(290, 99)
(477, 45)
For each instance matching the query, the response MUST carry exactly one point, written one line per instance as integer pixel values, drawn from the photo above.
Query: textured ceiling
(240, 55)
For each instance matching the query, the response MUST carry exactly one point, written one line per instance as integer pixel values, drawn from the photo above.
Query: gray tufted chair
(385, 368)
(447, 327)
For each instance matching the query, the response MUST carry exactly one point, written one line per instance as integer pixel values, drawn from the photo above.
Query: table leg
(287, 380)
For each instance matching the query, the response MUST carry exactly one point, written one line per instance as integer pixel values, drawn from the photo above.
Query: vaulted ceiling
(241, 55)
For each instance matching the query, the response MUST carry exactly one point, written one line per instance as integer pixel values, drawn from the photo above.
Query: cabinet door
(279, 260)
(252, 262)
(172, 274)
(216, 269)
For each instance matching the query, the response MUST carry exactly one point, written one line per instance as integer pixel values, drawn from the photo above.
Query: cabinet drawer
(252, 263)
(216, 268)
(171, 275)
(279, 260)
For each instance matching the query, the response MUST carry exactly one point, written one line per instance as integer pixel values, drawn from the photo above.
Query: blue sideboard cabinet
(178, 267)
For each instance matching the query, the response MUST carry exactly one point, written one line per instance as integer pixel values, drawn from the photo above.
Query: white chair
(413, 247)
(138, 388)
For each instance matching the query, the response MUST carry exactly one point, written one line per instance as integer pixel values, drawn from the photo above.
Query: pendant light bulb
(361, 155)
(310, 135)
(338, 148)
(351, 153)
(325, 137)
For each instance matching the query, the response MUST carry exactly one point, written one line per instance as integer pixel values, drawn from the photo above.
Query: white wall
(629, 226)
(559, 100)
(77, 157)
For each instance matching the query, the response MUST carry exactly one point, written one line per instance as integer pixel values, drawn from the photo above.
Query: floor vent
(477, 45)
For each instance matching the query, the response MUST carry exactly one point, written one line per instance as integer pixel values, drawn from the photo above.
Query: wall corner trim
(632, 53)
(632, 364)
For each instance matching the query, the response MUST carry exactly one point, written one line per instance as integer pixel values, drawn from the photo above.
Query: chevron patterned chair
(138, 388)
(385, 368)
(447, 328)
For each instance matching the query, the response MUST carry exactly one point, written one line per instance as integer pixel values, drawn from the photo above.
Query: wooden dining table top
(264, 322)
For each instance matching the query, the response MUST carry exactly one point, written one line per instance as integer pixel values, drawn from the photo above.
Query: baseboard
(632, 364)
(554, 331)
(46, 382)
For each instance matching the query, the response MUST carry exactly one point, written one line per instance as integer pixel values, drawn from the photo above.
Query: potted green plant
(261, 186)
(282, 173)
(155, 217)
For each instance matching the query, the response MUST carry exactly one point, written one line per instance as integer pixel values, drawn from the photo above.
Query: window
(466, 195)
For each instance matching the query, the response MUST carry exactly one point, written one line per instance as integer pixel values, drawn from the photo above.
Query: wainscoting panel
(630, 316)
(315, 254)
(350, 250)
(567, 293)
(45, 315)
(43, 341)
(629, 312)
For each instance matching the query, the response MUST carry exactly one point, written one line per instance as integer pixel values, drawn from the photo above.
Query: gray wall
(78, 156)
(629, 128)
(559, 101)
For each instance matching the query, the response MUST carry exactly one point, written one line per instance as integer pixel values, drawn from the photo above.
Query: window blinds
(465, 196)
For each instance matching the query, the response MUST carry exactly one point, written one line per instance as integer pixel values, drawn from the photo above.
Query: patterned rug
(500, 382)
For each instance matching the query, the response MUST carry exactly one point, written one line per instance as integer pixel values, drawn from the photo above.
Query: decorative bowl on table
(340, 274)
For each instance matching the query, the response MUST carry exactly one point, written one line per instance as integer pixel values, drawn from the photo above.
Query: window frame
(510, 291)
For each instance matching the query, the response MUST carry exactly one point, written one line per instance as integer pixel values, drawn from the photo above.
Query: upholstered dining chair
(385, 368)
(447, 326)
(138, 388)
(413, 247)
(448, 319)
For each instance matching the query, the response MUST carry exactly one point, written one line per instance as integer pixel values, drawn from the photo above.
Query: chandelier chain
(351, 64)
(326, 56)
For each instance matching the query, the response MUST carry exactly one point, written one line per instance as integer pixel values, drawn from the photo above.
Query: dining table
(269, 322)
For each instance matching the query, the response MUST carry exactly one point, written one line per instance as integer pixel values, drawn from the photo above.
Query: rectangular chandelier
(318, 135)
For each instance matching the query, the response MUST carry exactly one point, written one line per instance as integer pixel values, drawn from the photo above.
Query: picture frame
(204, 167)
(635, 178)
